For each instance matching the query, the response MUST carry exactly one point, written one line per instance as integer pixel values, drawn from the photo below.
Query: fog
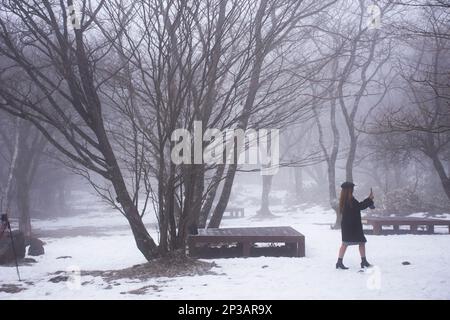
(90, 99)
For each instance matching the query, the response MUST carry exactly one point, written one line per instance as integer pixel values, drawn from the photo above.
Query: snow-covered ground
(101, 240)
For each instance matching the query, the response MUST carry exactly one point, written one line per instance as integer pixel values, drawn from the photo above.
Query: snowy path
(312, 277)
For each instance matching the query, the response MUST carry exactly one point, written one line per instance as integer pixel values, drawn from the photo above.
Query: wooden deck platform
(414, 223)
(233, 213)
(248, 237)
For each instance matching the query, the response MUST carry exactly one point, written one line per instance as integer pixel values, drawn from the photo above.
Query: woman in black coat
(351, 226)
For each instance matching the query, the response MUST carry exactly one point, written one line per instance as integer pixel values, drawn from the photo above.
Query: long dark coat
(351, 225)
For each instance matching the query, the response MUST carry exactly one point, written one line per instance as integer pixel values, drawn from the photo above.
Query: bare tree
(5, 201)
(369, 51)
(202, 73)
(60, 68)
(422, 125)
(284, 17)
(28, 150)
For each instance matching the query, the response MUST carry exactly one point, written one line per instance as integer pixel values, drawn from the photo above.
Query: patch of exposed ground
(20, 262)
(143, 290)
(170, 266)
(11, 288)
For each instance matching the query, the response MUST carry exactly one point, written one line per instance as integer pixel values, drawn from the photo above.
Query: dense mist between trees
(91, 92)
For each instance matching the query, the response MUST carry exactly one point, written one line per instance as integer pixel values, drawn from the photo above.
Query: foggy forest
(94, 93)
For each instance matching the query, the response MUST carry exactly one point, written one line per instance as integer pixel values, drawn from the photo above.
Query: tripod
(5, 222)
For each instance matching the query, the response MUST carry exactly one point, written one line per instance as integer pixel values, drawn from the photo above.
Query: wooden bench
(233, 213)
(378, 222)
(248, 237)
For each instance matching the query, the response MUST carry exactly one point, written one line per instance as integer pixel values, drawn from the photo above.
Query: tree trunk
(332, 157)
(7, 194)
(23, 203)
(26, 165)
(144, 241)
(445, 180)
(350, 157)
(448, 168)
(298, 184)
(334, 203)
(170, 209)
(217, 215)
(264, 211)
(164, 210)
(193, 201)
(211, 196)
(245, 114)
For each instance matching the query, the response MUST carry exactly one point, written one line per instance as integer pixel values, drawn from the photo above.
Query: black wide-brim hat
(347, 185)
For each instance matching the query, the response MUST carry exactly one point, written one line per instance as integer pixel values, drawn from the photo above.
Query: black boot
(365, 263)
(340, 265)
